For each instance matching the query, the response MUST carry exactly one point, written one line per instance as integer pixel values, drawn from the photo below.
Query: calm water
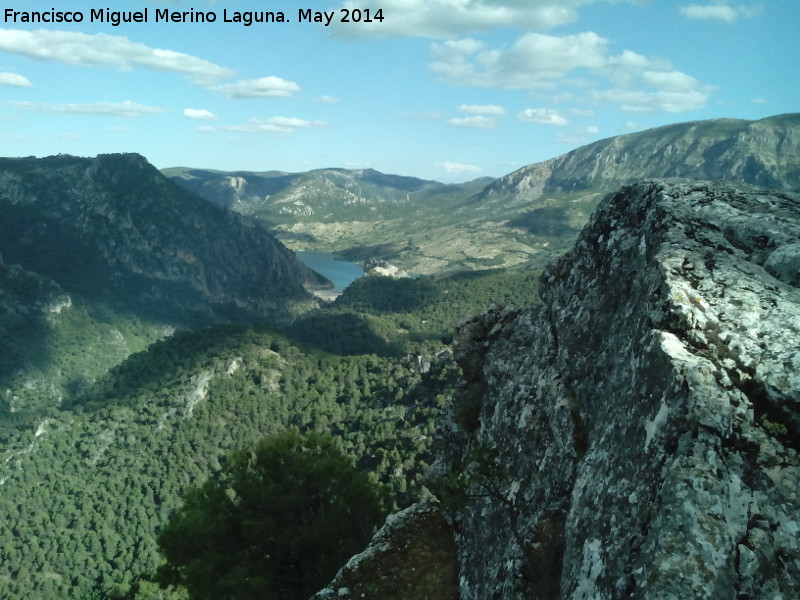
(340, 272)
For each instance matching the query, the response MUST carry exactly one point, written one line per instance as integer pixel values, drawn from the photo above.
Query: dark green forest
(87, 485)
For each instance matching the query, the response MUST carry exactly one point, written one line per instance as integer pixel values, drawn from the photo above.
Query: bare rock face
(412, 556)
(374, 266)
(637, 435)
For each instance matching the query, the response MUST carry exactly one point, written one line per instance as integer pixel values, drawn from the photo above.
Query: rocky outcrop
(637, 435)
(376, 266)
(412, 556)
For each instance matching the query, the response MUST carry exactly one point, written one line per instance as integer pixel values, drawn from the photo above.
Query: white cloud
(459, 168)
(200, 114)
(670, 81)
(579, 136)
(327, 100)
(473, 122)
(271, 125)
(453, 18)
(758, 100)
(575, 68)
(639, 101)
(721, 11)
(13, 79)
(76, 48)
(482, 109)
(546, 116)
(534, 61)
(106, 109)
(264, 87)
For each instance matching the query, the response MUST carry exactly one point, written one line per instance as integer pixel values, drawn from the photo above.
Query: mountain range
(114, 228)
(147, 333)
(524, 218)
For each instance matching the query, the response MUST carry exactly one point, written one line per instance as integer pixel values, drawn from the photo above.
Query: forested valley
(89, 485)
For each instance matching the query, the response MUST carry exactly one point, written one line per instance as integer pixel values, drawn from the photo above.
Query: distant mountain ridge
(764, 153)
(318, 192)
(524, 218)
(115, 227)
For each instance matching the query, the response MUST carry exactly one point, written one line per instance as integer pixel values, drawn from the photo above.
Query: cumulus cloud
(482, 109)
(567, 66)
(270, 125)
(639, 101)
(15, 80)
(546, 116)
(457, 168)
(473, 122)
(452, 18)
(578, 136)
(76, 48)
(534, 61)
(200, 114)
(263, 87)
(105, 109)
(721, 11)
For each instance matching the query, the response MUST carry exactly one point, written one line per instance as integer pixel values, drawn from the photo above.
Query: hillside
(101, 257)
(358, 214)
(88, 485)
(114, 228)
(763, 153)
(525, 218)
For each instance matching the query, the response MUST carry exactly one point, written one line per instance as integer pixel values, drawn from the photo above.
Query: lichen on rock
(636, 435)
(648, 409)
(412, 556)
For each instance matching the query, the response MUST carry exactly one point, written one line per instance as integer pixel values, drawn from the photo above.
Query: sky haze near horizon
(440, 89)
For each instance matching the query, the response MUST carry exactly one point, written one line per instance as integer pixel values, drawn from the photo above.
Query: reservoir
(340, 272)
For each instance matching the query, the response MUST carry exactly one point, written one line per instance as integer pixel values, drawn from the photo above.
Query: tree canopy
(278, 523)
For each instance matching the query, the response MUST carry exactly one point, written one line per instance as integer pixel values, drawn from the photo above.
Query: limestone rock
(374, 266)
(412, 556)
(644, 422)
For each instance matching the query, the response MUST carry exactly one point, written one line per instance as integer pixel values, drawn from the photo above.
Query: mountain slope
(765, 153)
(524, 218)
(88, 485)
(324, 193)
(114, 228)
(358, 214)
(53, 345)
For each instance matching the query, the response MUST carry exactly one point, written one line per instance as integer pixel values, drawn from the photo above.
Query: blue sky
(440, 89)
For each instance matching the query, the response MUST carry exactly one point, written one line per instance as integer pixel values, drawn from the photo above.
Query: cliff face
(644, 423)
(636, 436)
(114, 227)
